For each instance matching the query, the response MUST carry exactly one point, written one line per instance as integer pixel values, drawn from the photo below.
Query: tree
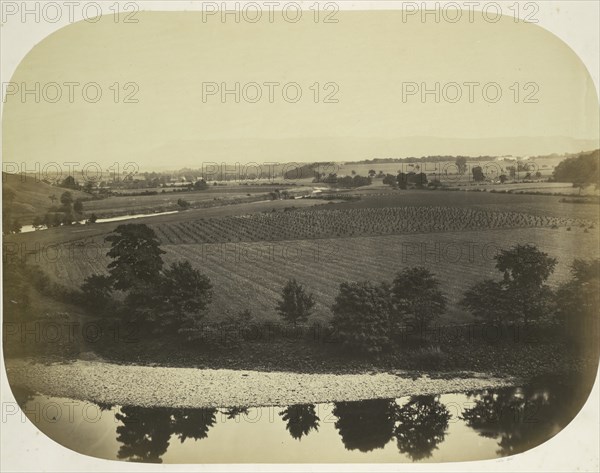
(136, 256)
(92, 219)
(361, 316)
(402, 180)
(478, 175)
(38, 222)
(184, 294)
(578, 299)
(390, 180)
(416, 297)
(295, 304)
(97, 291)
(372, 173)
(420, 180)
(66, 199)
(52, 198)
(503, 178)
(183, 204)
(69, 183)
(521, 294)
(461, 164)
(200, 185)
(488, 301)
(581, 170)
(78, 206)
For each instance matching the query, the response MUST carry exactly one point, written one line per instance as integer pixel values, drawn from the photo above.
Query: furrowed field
(249, 256)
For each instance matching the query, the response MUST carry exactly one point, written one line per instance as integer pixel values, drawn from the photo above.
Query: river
(464, 426)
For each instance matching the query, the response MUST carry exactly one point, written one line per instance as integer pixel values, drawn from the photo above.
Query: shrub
(361, 316)
(295, 304)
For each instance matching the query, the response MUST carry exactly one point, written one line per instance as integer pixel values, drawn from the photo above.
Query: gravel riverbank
(196, 388)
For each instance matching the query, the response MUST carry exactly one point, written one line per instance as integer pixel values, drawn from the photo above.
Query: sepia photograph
(293, 233)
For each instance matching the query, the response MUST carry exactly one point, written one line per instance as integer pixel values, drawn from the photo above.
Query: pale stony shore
(197, 388)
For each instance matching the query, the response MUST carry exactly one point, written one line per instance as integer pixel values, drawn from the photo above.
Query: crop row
(311, 224)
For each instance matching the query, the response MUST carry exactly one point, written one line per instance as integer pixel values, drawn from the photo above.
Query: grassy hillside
(31, 197)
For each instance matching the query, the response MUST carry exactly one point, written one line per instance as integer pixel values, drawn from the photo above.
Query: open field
(251, 274)
(249, 250)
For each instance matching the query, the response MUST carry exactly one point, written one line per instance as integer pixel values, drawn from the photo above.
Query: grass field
(250, 249)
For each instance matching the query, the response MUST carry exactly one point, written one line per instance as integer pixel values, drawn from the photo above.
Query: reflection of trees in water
(234, 412)
(422, 425)
(145, 432)
(365, 425)
(518, 418)
(193, 423)
(523, 418)
(419, 425)
(300, 419)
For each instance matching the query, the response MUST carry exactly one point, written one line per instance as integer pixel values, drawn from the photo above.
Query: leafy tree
(420, 180)
(78, 206)
(361, 316)
(402, 180)
(461, 164)
(97, 291)
(136, 255)
(200, 185)
(295, 304)
(66, 199)
(487, 300)
(503, 178)
(522, 294)
(580, 170)
(372, 173)
(578, 299)
(183, 204)
(69, 183)
(92, 219)
(300, 419)
(184, 293)
(390, 180)
(417, 299)
(478, 175)
(38, 222)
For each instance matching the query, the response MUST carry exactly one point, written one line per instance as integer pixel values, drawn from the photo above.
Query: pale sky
(370, 56)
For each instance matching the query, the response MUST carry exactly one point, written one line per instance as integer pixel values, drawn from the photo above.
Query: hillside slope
(30, 197)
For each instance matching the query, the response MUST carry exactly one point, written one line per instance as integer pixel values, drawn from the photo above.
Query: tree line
(367, 317)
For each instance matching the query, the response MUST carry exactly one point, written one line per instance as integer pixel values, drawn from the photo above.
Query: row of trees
(367, 316)
(370, 317)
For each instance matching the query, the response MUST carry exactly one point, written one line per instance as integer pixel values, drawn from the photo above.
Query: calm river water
(449, 427)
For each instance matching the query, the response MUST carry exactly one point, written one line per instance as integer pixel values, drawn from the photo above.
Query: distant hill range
(194, 153)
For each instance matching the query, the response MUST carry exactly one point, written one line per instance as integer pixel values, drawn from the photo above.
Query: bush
(361, 316)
